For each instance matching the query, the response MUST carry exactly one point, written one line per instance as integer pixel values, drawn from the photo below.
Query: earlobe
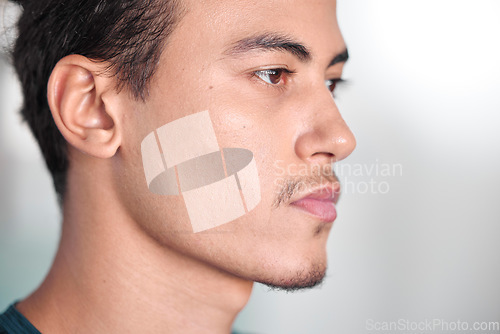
(75, 94)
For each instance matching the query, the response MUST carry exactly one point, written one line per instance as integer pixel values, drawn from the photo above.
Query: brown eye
(331, 84)
(272, 76)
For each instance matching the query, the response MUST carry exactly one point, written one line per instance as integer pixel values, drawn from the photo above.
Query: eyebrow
(269, 42)
(340, 58)
(278, 42)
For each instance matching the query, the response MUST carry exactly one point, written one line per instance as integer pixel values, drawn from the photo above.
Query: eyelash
(283, 73)
(330, 83)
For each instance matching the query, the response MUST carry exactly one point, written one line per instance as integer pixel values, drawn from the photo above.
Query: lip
(320, 203)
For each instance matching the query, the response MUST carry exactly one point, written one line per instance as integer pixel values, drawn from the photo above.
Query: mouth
(320, 203)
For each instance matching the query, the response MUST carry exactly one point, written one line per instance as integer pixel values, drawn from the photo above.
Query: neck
(109, 276)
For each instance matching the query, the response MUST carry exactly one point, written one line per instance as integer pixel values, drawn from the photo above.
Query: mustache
(288, 187)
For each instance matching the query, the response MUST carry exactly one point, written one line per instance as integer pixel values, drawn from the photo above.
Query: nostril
(322, 157)
(329, 154)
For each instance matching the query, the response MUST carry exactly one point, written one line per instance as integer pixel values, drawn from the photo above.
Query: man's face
(261, 69)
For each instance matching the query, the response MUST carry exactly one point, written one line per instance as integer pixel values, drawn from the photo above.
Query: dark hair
(127, 34)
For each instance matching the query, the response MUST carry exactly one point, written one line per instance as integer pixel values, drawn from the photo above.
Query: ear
(78, 94)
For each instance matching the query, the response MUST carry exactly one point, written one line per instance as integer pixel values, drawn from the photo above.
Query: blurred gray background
(417, 236)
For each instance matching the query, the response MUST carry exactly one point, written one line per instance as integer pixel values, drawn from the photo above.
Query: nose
(325, 137)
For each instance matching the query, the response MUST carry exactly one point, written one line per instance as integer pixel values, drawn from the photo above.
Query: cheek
(184, 166)
(159, 216)
(237, 121)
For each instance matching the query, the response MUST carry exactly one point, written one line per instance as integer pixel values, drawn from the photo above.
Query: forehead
(218, 23)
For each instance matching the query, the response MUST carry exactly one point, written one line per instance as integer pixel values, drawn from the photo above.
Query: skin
(128, 261)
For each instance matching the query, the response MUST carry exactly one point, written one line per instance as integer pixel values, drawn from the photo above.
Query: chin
(293, 279)
(296, 260)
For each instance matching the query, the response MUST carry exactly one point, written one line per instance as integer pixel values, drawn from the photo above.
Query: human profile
(161, 122)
